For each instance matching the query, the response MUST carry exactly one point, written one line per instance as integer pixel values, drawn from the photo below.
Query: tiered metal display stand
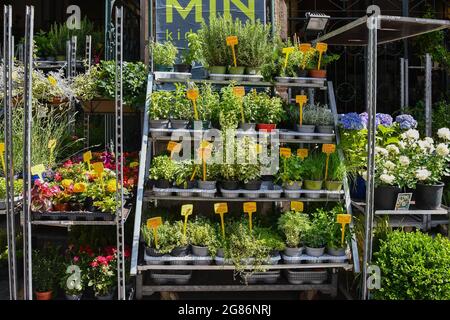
(121, 213)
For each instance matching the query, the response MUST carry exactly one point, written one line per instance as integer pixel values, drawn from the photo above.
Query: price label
(87, 156)
(285, 152)
(221, 208)
(302, 153)
(187, 209)
(343, 218)
(192, 94)
(173, 146)
(297, 206)
(239, 91)
(321, 47)
(249, 207)
(328, 148)
(205, 144)
(304, 47)
(38, 170)
(98, 167)
(301, 99)
(2, 155)
(51, 144)
(154, 223)
(232, 41)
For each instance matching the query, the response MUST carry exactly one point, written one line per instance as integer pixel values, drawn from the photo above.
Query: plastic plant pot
(236, 70)
(268, 127)
(385, 197)
(162, 183)
(429, 197)
(75, 297)
(317, 73)
(229, 185)
(253, 185)
(206, 185)
(253, 71)
(152, 252)
(306, 128)
(336, 252)
(315, 252)
(179, 124)
(108, 296)
(185, 68)
(162, 68)
(247, 126)
(218, 70)
(200, 251)
(293, 252)
(159, 124)
(313, 185)
(293, 185)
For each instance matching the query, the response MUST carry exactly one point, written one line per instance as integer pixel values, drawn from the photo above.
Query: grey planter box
(301, 277)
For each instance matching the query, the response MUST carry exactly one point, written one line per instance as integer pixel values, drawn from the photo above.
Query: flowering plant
(42, 194)
(406, 122)
(102, 274)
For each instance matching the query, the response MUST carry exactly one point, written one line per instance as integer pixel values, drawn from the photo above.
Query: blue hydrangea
(406, 122)
(351, 121)
(384, 119)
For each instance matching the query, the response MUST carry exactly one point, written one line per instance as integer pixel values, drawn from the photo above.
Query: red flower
(126, 253)
(76, 259)
(109, 258)
(94, 264)
(37, 182)
(58, 176)
(68, 164)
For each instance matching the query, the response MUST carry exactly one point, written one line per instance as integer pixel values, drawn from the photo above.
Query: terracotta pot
(58, 100)
(318, 73)
(44, 295)
(63, 207)
(268, 127)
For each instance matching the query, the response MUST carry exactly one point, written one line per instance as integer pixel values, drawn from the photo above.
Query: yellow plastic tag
(328, 148)
(173, 146)
(304, 47)
(192, 94)
(302, 153)
(187, 209)
(154, 223)
(287, 52)
(2, 147)
(98, 167)
(221, 208)
(321, 48)
(301, 99)
(258, 148)
(285, 152)
(87, 156)
(249, 207)
(232, 40)
(2, 155)
(344, 218)
(239, 91)
(51, 144)
(37, 170)
(297, 206)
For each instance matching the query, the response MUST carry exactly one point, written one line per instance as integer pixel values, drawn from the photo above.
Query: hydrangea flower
(387, 178)
(404, 160)
(422, 174)
(351, 121)
(444, 133)
(384, 119)
(442, 150)
(405, 121)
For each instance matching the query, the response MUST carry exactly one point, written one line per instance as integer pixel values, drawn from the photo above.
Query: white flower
(386, 178)
(442, 149)
(444, 133)
(411, 134)
(393, 148)
(424, 145)
(389, 165)
(422, 174)
(429, 140)
(382, 151)
(404, 160)
(402, 145)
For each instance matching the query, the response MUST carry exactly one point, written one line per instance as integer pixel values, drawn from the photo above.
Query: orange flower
(79, 187)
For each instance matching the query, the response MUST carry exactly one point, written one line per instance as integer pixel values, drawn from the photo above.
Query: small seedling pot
(159, 124)
(268, 127)
(200, 251)
(336, 251)
(314, 73)
(206, 185)
(253, 185)
(306, 128)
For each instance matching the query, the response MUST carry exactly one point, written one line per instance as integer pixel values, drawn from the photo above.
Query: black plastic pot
(75, 206)
(429, 197)
(302, 73)
(253, 185)
(229, 185)
(183, 68)
(385, 197)
(152, 252)
(89, 204)
(413, 191)
(162, 183)
(180, 251)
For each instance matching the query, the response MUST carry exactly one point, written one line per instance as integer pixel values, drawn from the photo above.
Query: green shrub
(294, 226)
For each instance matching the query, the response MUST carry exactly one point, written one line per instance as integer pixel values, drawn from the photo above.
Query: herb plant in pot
(270, 240)
(181, 112)
(335, 247)
(208, 104)
(269, 112)
(164, 55)
(314, 171)
(336, 173)
(250, 109)
(190, 55)
(45, 263)
(317, 235)
(150, 246)
(248, 165)
(162, 171)
(309, 120)
(325, 121)
(293, 225)
(203, 239)
(314, 71)
(184, 178)
(290, 174)
(178, 241)
(161, 103)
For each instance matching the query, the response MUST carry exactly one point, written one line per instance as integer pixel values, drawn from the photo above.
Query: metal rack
(121, 213)
(148, 147)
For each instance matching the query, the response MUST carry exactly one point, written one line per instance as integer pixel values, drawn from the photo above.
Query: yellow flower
(79, 187)
(134, 164)
(52, 81)
(66, 183)
(111, 186)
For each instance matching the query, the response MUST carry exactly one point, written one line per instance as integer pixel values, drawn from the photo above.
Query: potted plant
(290, 174)
(229, 169)
(229, 111)
(190, 55)
(335, 247)
(184, 178)
(162, 171)
(293, 225)
(215, 51)
(160, 108)
(46, 267)
(270, 241)
(181, 110)
(325, 120)
(249, 167)
(336, 173)
(171, 239)
(314, 71)
(250, 110)
(317, 235)
(164, 55)
(73, 287)
(102, 275)
(203, 239)
(150, 246)
(310, 117)
(212, 173)
(313, 172)
(269, 112)
(208, 106)
(61, 201)
(387, 180)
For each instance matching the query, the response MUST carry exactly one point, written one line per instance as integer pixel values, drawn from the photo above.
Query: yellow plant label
(173, 146)
(205, 144)
(51, 144)
(297, 206)
(37, 170)
(302, 153)
(232, 41)
(221, 208)
(344, 218)
(249, 207)
(204, 153)
(187, 209)
(154, 223)
(301, 99)
(285, 152)
(192, 94)
(239, 91)
(304, 47)
(288, 50)
(258, 148)
(98, 167)
(87, 156)
(328, 148)
(2, 147)
(321, 47)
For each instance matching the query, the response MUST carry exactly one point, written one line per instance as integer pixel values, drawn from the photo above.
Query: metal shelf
(344, 265)
(361, 207)
(249, 287)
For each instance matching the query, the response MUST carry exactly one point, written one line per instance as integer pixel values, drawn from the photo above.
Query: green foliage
(314, 166)
(274, 64)
(324, 62)
(248, 165)
(254, 45)
(269, 109)
(294, 226)
(160, 105)
(335, 230)
(85, 85)
(269, 238)
(317, 235)
(336, 168)
(170, 236)
(194, 51)
(181, 108)
(164, 54)
(440, 116)
(230, 111)
(315, 115)
(213, 38)
(183, 172)
(18, 188)
(208, 103)
(414, 266)
(47, 266)
(162, 168)
(291, 169)
(203, 234)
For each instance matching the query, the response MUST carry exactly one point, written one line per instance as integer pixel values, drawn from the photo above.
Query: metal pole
(28, 95)
(372, 131)
(406, 82)
(68, 58)
(86, 129)
(119, 154)
(108, 32)
(9, 174)
(402, 84)
(73, 56)
(88, 51)
(428, 97)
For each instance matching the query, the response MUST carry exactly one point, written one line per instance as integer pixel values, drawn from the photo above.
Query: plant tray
(172, 75)
(243, 77)
(262, 192)
(163, 192)
(177, 277)
(74, 216)
(300, 277)
(264, 277)
(177, 260)
(271, 261)
(3, 202)
(309, 259)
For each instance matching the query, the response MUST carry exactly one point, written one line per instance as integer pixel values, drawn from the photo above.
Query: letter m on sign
(184, 12)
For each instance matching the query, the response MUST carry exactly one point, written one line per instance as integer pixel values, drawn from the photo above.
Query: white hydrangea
(387, 178)
(424, 145)
(422, 174)
(444, 133)
(442, 150)
(382, 151)
(389, 165)
(411, 134)
(402, 145)
(429, 140)
(393, 149)
(404, 160)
